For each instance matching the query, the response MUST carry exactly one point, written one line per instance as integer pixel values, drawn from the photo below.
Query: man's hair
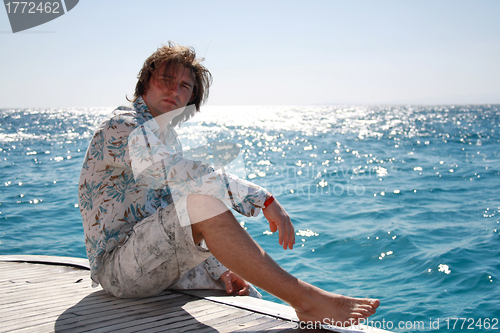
(173, 56)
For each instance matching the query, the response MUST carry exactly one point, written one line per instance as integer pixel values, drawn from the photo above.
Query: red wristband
(269, 201)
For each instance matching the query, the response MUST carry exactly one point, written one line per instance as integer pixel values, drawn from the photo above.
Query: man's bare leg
(236, 250)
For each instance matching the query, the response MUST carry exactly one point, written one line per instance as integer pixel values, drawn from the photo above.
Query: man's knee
(203, 207)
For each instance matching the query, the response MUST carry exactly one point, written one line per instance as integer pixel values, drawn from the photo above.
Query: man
(155, 220)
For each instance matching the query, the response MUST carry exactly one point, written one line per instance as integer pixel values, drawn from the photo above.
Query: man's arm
(157, 166)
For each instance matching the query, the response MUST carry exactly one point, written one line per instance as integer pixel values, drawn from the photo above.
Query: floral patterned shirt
(133, 167)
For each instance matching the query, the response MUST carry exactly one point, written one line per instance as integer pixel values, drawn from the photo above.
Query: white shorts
(160, 253)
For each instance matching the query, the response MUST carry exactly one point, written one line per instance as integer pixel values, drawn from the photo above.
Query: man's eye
(165, 79)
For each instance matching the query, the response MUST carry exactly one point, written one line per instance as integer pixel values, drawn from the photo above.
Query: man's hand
(279, 220)
(235, 284)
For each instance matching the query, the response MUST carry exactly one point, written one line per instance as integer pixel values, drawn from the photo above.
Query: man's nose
(174, 88)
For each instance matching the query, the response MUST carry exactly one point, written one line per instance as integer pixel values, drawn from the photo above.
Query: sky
(262, 52)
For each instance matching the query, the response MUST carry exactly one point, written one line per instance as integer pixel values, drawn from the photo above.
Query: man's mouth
(170, 101)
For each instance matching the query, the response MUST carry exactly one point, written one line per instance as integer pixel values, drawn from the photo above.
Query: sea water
(399, 203)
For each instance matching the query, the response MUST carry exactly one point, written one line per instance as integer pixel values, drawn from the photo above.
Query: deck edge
(81, 263)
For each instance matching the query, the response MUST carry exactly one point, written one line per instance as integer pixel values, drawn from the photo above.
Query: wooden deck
(54, 294)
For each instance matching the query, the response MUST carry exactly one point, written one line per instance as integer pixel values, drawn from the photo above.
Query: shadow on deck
(52, 294)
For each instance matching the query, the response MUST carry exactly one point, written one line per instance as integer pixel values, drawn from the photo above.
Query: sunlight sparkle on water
(444, 268)
(306, 233)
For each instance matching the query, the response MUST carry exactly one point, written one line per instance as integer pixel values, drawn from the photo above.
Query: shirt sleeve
(214, 267)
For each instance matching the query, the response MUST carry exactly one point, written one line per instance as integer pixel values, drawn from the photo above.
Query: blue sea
(400, 203)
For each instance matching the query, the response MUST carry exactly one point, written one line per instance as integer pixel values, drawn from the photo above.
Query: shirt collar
(144, 113)
(142, 108)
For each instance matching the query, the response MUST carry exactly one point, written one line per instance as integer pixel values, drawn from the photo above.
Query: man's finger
(281, 235)
(245, 291)
(290, 236)
(229, 287)
(272, 226)
(286, 236)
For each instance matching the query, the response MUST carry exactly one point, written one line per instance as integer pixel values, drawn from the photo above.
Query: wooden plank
(73, 283)
(136, 316)
(55, 273)
(236, 317)
(25, 299)
(27, 294)
(114, 305)
(131, 315)
(94, 320)
(38, 302)
(260, 324)
(93, 309)
(24, 272)
(250, 303)
(161, 323)
(238, 323)
(224, 320)
(175, 320)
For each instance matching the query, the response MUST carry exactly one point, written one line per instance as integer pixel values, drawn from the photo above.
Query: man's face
(169, 90)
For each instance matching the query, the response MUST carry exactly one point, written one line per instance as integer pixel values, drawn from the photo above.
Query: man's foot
(333, 309)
